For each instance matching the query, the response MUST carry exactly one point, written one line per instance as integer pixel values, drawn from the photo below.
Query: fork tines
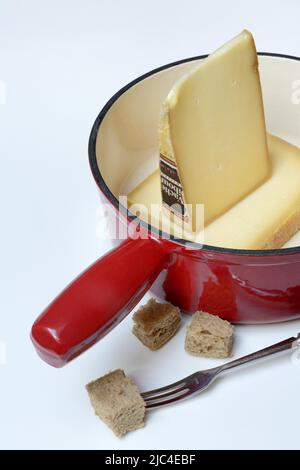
(169, 393)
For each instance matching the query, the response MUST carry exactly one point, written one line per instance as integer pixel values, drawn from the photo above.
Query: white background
(61, 60)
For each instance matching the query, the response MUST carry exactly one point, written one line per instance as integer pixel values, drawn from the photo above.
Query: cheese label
(171, 188)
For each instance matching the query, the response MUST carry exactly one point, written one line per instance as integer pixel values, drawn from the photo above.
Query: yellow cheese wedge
(213, 145)
(264, 219)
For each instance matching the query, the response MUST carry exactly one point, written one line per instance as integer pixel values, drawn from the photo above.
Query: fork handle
(285, 345)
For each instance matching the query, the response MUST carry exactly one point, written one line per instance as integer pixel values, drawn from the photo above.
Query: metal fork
(199, 381)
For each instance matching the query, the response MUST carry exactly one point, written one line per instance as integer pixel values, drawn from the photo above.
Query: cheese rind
(265, 219)
(212, 129)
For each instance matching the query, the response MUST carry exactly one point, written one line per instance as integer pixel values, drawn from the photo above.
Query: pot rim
(124, 210)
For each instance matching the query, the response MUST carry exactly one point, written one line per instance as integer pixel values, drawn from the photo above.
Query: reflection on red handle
(97, 300)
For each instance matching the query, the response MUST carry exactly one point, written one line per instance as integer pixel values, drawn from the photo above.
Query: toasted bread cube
(117, 401)
(155, 323)
(209, 336)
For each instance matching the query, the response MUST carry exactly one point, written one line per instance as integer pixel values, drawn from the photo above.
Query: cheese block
(265, 219)
(213, 145)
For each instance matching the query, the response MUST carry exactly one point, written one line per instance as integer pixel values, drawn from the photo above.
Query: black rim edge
(114, 201)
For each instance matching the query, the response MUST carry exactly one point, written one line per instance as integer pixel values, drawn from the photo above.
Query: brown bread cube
(155, 323)
(117, 401)
(209, 336)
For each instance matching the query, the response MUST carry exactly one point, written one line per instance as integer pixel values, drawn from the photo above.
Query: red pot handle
(97, 300)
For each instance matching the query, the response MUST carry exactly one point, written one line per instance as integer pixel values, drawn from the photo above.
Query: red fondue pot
(243, 286)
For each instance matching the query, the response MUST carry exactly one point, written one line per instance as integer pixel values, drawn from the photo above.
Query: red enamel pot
(243, 286)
